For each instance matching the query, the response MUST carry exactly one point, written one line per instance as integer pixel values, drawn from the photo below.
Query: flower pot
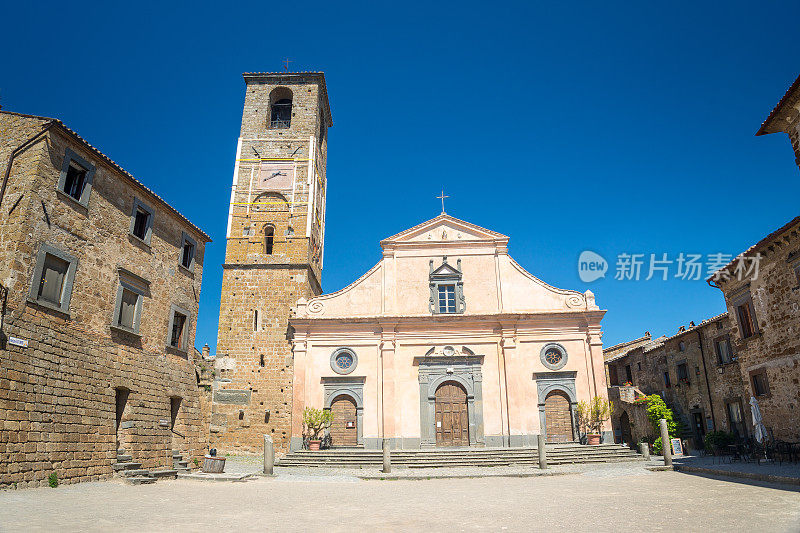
(213, 465)
(314, 445)
(593, 439)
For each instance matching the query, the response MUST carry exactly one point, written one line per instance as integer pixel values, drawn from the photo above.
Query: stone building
(765, 312)
(785, 117)
(696, 372)
(447, 341)
(274, 255)
(99, 287)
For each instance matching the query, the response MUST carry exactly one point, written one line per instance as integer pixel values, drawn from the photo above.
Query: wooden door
(344, 430)
(558, 417)
(452, 422)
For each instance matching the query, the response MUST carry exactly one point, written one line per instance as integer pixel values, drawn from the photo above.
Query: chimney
(206, 351)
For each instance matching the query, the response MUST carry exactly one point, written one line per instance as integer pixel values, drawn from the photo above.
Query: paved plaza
(623, 497)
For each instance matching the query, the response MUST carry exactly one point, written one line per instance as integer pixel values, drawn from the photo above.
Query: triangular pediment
(445, 228)
(445, 270)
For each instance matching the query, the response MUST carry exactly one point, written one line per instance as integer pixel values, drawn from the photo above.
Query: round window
(554, 356)
(343, 361)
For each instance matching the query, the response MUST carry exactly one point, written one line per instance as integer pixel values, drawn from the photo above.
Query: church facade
(447, 341)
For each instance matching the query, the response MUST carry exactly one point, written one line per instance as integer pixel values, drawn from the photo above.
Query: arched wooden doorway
(625, 429)
(558, 417)
(344, 429)
(452, 422)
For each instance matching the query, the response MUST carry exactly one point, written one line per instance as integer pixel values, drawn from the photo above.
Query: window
(280, 111)
(682, 346)
(722, 346)
(760, 384)
(667, 382)
(269, 239)
(255, 321)
(343, 361)
(683, 373)
(447, 288)
(735, 418)
(178, 328)
(745, 313)
(128, 307)
(628, 374)
(53, 277)
(141, 221)
(188, 247)
(553, 356)
(76, 177)
(261, 360)
(447, 298)
(638, 366)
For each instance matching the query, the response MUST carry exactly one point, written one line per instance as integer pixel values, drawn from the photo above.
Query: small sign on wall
(351, 425)
(164, 423)
(677, 447)
(14, 341)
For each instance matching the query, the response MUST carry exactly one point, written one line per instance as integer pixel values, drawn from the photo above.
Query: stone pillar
(299, 349)
(665, 444)
(506, 350)
(387, 459)
(269, 455)
(542, 452)
(644, 449)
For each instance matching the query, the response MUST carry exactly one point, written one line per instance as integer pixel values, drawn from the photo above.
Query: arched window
(280, 109)
(269, 239)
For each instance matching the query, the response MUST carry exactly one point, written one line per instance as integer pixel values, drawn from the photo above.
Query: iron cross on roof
(442, 197)
(286, 64)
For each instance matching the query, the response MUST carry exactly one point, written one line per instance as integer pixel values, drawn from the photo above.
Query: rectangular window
(178, 327)
(127, 309)
(735, 418)
(683, 373)
(447, 298)
(141, 221)
(130, 298)
(760, 383)
(76, 177)
(178, 331)
(75, 180)
(51, 284)
(667, 382)
(744, 312)
(188, 247)
(53, 277)
(628, 374)
(724, 352)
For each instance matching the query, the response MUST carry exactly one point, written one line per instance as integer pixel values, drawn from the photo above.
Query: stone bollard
(387, 459)
(644, 449)
(542, 452)
(269, 455)
(666, 448)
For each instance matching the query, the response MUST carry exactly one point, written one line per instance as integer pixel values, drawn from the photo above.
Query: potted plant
(591, 417)
(315, 422)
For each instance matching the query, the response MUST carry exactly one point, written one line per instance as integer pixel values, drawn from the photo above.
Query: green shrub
(316, 420)
(52, 480)
(719, 439)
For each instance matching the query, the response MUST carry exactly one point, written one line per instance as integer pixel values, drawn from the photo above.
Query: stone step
(139, 480)
(130, 465)
(407, 457)
(135, 472)
(120, 451)
(184, 464)
(124, 458)
(164, 473)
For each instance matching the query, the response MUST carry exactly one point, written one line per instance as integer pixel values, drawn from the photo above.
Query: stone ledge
(732, 473)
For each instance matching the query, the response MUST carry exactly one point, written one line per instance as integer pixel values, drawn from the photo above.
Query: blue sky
(619, 127)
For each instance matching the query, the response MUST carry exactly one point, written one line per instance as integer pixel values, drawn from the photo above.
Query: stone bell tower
(274, 254)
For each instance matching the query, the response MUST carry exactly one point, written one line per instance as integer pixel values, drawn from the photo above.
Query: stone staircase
(178, 464)
(132, 472)
(557, 454)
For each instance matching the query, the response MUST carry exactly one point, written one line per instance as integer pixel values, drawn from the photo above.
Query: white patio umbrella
(758, 422)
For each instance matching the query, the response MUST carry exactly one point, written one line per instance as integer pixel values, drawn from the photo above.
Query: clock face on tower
(275, 176)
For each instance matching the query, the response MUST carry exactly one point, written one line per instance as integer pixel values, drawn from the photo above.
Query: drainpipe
(705, 372)
(16, 151)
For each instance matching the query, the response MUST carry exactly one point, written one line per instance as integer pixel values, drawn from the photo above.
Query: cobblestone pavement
(615, 497)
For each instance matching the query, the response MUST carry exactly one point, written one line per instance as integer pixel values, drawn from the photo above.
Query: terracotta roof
(757, 246)
(108, 160)
(320, 76)
(789, 92)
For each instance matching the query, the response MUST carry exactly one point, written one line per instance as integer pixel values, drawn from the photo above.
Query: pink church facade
(447, 341)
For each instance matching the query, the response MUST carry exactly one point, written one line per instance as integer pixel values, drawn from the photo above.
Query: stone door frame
(547, 382)
(353, 387)
(434, 370)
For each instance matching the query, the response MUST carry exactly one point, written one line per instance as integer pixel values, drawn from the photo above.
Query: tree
(592, 414)
(316, 420)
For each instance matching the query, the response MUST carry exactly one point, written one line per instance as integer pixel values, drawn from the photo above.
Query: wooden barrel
(213, 465)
